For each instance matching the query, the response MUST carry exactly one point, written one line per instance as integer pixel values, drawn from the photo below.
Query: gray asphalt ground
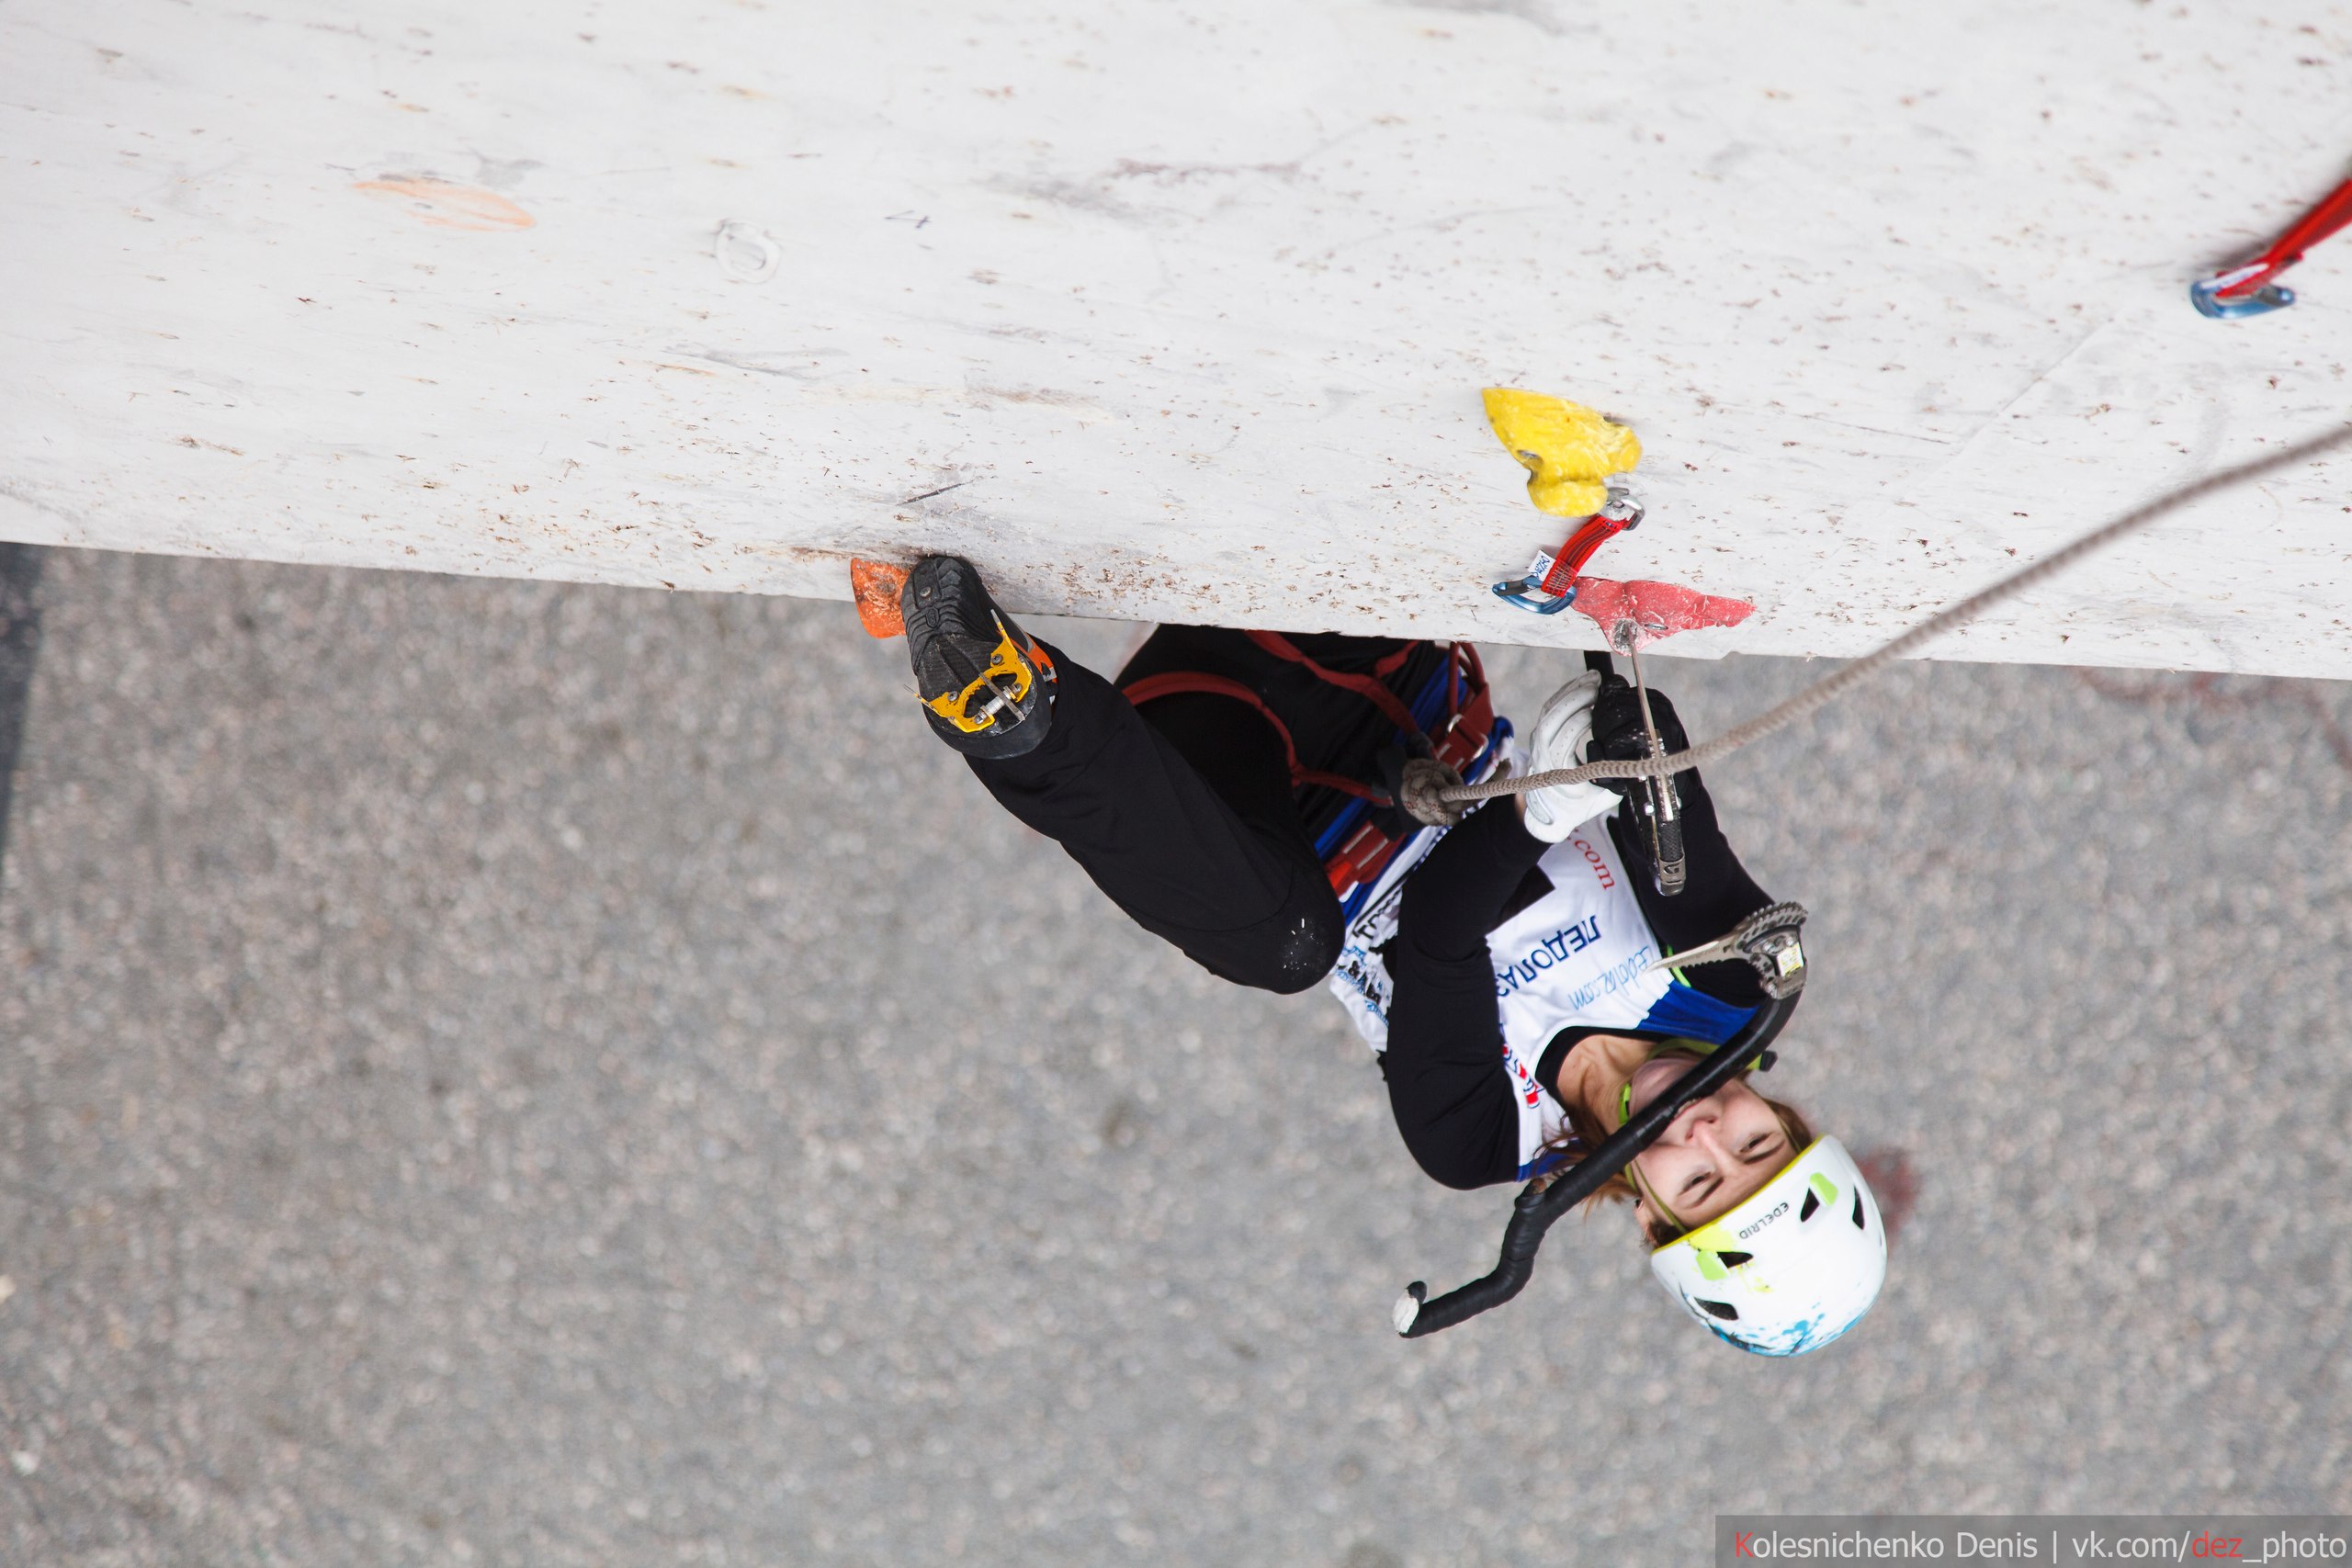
(507, 1074)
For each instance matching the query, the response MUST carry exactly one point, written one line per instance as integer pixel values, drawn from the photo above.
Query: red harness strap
(1176, 682)
(1468, 724)
(1365, 686)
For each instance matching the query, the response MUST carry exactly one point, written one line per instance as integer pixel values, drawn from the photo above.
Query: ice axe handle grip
(1671, 873)
(1538, 1205)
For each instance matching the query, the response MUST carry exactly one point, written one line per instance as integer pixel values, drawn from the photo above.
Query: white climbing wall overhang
(1183, 311)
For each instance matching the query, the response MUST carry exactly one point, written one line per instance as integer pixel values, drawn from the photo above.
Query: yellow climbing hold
(1567, 449)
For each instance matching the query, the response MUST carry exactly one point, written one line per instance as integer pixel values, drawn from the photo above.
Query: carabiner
(1528, 593)
(2206, 294)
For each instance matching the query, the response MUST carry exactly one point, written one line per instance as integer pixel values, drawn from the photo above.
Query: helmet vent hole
(1859, 1224)
(1812, 1202)
(1723, 1310)
(1734, 1260)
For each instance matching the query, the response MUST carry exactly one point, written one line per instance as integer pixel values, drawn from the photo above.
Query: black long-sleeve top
(1447, 1084)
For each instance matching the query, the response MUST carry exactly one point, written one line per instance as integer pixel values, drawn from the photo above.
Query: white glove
(1558, 741)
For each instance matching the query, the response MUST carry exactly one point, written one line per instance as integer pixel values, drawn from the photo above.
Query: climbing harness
(1549, 585)
(1821, 692)
(1449, 725)
(2248, 290)
(1769, 938)
(999, 689)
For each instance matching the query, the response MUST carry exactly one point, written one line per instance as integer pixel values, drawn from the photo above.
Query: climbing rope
(1821, 692)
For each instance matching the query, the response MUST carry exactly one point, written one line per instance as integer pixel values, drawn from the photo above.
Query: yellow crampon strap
(955, 708)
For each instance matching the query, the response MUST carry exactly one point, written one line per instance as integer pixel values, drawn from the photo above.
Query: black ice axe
(1768, 939)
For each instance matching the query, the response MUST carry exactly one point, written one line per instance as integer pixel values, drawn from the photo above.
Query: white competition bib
(1577, 956)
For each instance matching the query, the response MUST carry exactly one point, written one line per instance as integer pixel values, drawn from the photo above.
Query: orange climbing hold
(874, 585)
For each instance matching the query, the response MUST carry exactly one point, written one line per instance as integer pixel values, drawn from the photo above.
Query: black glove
(1617, 732)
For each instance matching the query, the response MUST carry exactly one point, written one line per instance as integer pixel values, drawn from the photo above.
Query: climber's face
(1715, 1153)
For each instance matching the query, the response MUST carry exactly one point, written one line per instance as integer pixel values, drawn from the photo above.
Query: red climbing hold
(1657, 609)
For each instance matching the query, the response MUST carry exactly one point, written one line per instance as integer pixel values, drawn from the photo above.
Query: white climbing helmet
(1794, 1266)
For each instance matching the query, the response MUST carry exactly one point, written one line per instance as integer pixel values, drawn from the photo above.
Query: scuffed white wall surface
(1190, 302)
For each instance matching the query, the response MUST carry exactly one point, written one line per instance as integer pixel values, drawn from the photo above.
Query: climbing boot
(985, 683)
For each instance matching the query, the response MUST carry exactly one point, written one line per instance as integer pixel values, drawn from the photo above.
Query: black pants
(1184, 813)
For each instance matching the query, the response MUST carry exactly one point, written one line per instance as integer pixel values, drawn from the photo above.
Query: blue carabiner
(1527, 592)
(2206, 294)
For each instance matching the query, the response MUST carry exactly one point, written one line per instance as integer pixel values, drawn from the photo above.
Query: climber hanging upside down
(1502, 968)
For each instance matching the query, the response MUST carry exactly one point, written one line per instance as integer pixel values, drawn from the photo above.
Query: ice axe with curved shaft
(1660, 808)
(1769, 940)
